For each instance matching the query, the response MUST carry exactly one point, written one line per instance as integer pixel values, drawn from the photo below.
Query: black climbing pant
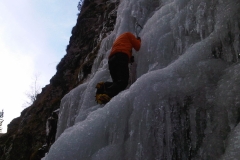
(119, 71)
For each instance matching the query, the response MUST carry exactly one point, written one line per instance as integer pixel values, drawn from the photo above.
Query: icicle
(200, 15)
(236, 43)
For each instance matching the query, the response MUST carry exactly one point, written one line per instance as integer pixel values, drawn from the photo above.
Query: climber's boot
(100, 88)
(102, 98)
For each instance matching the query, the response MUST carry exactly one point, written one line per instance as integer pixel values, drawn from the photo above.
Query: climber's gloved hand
(132, 59)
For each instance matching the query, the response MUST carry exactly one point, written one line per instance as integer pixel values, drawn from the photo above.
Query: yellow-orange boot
(102, 98)
(100, 88)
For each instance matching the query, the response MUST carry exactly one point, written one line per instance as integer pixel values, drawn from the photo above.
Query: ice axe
(133, 67)
(137, 33)
(136, 27)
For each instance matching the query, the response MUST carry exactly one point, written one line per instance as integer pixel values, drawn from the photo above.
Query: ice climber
(118, 60)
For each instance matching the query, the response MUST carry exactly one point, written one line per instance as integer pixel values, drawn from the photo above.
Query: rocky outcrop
(27, 133)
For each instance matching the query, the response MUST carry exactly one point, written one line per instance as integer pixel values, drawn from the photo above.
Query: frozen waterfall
(185, 101)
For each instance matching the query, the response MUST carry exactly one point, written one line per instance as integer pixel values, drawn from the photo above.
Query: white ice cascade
(185, 102)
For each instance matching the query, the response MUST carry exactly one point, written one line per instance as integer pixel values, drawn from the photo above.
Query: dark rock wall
(28, 132)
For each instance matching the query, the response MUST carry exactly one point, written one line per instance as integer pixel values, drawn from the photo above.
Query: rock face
(27, 133)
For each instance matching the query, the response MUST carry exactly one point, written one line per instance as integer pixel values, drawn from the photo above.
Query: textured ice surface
(185, 102)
